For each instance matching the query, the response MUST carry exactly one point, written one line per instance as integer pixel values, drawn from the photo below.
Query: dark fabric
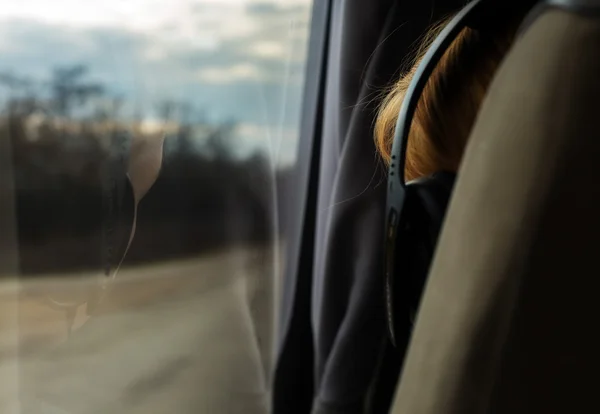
(510, 312)
(369, 42)
(293, 384)
(424, 210)
(355, 367)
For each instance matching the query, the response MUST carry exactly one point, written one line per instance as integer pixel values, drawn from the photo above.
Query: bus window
(148, 149)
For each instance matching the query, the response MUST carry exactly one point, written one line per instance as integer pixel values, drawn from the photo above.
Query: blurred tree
(22, 99)
(220, 142)
(69, 87)
(166, 110)
(108, 109)
(206, 197)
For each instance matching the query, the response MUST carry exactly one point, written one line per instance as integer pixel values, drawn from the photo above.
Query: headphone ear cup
(422, 218)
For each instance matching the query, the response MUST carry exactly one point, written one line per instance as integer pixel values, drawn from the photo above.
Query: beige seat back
(510, 316)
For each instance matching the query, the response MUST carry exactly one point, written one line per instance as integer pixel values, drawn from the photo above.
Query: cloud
(269, 49)
(234, 73)
(233, 59)
(262, 8)
(222, 35)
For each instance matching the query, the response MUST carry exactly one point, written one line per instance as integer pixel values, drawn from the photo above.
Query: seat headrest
(508, 319)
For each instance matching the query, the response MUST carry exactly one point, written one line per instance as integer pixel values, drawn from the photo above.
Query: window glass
(146, 150)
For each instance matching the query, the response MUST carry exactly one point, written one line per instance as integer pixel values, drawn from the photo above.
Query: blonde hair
(449, 103)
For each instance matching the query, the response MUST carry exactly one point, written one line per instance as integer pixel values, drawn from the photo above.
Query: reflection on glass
(147, 150)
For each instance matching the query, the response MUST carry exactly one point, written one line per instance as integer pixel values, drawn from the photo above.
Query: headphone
(415, 210)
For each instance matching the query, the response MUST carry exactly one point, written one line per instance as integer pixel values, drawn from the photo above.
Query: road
(182, 337)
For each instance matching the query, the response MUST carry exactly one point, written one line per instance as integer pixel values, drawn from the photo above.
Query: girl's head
(450, 100)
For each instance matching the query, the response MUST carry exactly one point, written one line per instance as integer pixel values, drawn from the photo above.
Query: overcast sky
(233, 59)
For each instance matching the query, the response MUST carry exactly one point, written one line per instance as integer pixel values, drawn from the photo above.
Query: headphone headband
(420, 78)
(480, 15)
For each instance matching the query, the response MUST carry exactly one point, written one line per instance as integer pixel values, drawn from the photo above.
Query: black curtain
(334, 355)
